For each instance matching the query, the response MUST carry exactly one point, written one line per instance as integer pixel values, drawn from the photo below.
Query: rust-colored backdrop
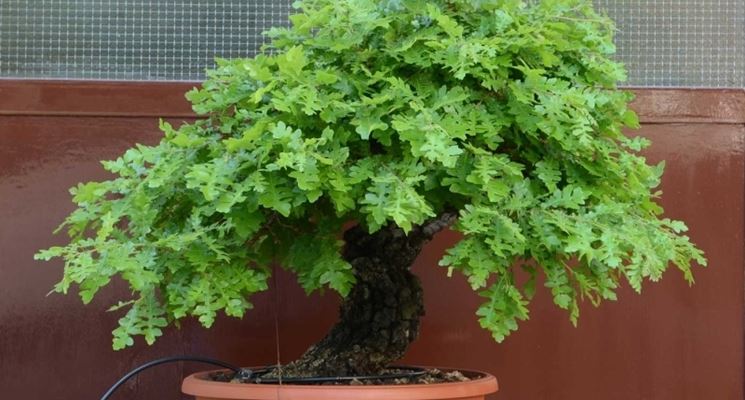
(673, 342)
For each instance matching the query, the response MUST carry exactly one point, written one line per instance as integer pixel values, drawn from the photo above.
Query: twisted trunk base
(380, 316)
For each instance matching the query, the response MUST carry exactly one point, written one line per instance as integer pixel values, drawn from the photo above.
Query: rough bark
(380, 316)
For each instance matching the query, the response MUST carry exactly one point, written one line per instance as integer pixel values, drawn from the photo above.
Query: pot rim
(197, 385)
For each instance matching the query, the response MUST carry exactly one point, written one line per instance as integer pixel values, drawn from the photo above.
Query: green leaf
(367, 125)
(277, 196)
(247, 222)
(548, 172)
(292, 62)
(326, 78)
(248, 138)
(318, 262)
(505, 306)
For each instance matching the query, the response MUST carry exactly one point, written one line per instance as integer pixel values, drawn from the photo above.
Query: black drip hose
(248, 374)
(165, 360)
(410, 372)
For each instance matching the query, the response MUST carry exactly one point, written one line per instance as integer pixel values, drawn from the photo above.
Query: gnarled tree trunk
(380, 316)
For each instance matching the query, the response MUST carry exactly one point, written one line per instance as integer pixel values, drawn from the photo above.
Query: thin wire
(276, 329)
(160, 361)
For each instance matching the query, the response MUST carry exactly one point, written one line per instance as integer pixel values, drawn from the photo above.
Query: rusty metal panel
(673, 342)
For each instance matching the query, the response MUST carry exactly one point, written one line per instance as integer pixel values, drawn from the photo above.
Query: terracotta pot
(203, 389)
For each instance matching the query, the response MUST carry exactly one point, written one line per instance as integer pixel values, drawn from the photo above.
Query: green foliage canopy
(387, 111)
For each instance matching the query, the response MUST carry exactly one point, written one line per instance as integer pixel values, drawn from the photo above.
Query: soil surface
(423, 377)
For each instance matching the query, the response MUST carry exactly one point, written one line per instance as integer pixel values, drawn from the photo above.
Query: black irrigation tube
(412, 372)
(248, 374)
(165, 360)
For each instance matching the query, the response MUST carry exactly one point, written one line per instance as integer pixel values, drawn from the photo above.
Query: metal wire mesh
(663, 42)
(129, 39)
(680, 42)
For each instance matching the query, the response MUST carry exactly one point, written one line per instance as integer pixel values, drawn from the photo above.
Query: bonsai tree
(394, 119)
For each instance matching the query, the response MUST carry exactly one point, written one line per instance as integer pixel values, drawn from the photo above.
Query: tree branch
(433, 226)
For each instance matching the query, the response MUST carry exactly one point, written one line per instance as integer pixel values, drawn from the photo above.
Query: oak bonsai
(500, 119)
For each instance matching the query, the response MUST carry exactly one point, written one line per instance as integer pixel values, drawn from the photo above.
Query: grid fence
(664, 43)
(698, 43)
(129, 39)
